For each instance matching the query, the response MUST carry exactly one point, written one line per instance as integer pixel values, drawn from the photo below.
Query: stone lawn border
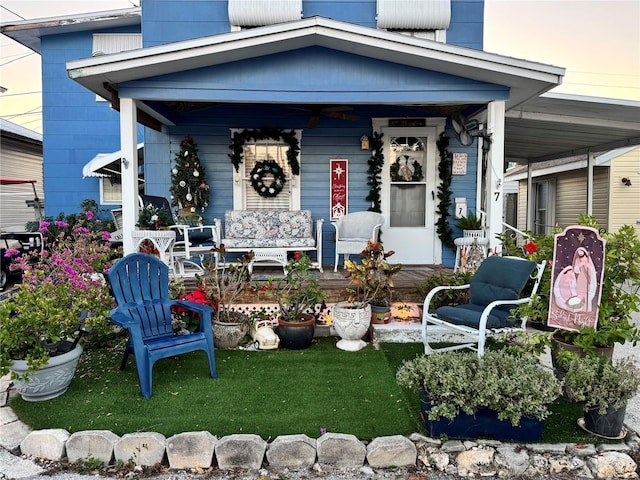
(202, 450)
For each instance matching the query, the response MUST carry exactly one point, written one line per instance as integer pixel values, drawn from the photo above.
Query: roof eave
(526, 79)
(29, 32)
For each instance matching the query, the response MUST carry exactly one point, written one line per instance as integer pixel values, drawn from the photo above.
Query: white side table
(163, 240)
(275, 255)
(462, 242)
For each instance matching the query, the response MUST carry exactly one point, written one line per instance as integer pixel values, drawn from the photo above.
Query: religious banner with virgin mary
(576, 278)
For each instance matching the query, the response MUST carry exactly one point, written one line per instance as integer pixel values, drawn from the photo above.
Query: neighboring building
(331, 71)
(20, 159)
(560, 191)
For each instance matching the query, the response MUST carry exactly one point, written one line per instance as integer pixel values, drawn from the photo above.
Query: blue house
(376, 86)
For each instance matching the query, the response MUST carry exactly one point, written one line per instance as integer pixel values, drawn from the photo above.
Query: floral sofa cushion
(268, 229)
(295, 224)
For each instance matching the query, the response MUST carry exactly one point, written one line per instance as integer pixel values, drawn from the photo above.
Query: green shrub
(512, 385)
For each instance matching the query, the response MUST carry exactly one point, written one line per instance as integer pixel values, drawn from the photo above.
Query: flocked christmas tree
(189, 188)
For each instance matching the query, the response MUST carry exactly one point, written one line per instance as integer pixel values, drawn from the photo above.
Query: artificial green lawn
(268, 393)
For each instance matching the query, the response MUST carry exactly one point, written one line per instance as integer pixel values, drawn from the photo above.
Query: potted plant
(298, 296)
(620, 293)
(604, 387)
(370, 280)
(224, 283)
(188, 321)
(471, 225)
(63, 293)
(501, 394)
(445, 297)
(152, 217)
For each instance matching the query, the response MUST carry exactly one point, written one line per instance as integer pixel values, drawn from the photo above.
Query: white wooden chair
(495, 290)
(353, 231)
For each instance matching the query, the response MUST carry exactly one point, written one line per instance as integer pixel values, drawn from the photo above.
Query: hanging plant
(240, 138)
(445, 233)
(189, 188)
(374, 180)
(263, 172)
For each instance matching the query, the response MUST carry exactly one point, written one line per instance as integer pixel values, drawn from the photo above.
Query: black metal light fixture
(467, 130)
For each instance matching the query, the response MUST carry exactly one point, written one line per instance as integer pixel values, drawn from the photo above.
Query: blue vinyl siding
(314, 75)
(76, 127)
(167, 21)
(332, 138)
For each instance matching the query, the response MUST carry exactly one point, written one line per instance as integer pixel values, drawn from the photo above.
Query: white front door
(408, 203)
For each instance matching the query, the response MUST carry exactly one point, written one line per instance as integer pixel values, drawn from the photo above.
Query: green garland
(240, 138)
(444, 192)
(376, 162)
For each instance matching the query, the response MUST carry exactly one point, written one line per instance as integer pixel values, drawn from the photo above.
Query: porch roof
(559, 126)
(524, 79)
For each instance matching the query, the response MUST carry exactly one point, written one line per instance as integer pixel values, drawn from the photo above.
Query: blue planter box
(484, 423)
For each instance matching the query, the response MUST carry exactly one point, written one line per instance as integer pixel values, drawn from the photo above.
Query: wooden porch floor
(334, 283)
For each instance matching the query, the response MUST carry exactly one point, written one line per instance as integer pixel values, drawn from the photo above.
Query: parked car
(23, 242)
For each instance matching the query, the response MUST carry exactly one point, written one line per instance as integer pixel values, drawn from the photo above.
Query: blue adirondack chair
(140, 285)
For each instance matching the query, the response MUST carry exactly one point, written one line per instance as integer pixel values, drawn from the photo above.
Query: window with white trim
(245, 197)
(435, 35)
(257, 13)
(110, 191)
(106, 43)
(415, 18)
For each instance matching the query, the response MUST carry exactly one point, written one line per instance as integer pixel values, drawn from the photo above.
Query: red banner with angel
(576, 278)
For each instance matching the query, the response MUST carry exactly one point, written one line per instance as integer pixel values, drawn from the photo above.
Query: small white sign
(459, 164)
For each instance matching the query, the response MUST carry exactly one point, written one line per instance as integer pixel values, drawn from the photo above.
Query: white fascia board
(29, 32)
(573, 120)
(553, 170)
(589, 99)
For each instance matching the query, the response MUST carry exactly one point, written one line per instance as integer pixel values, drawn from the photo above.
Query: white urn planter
(50, 381)
(351, 323)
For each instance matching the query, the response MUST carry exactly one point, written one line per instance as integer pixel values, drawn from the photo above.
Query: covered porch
(333, 83)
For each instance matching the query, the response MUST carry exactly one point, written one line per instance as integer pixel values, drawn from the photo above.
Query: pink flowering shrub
(58, 284)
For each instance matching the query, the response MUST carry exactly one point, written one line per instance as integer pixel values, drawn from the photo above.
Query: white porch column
(590, 163)
(494, 200)
(531, 199)
(128, 147)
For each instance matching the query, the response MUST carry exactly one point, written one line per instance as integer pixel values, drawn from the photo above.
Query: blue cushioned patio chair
(495, 289)
(140, 285)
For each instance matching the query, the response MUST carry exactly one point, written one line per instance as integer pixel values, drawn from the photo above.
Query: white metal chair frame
(475, 338)
(352, 233)
(184, 251)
